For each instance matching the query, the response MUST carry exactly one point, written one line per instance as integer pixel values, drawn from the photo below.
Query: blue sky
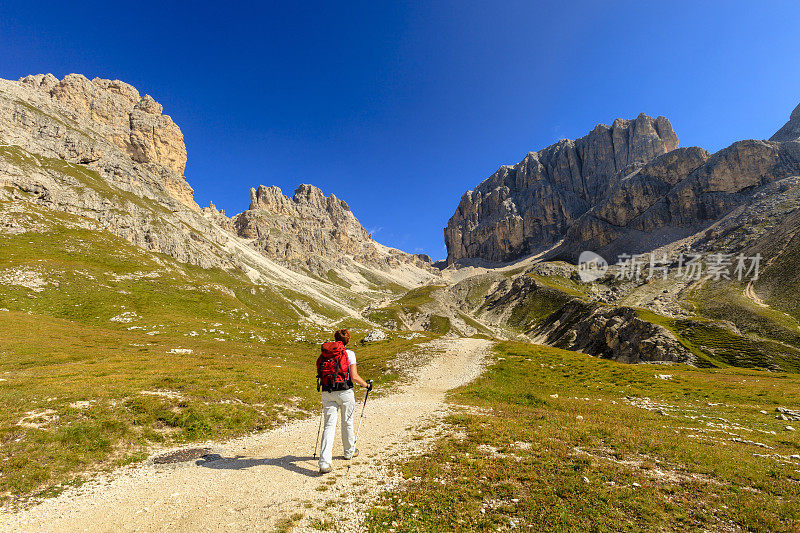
(400, 107)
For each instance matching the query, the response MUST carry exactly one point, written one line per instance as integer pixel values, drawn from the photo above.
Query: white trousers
(343, 402)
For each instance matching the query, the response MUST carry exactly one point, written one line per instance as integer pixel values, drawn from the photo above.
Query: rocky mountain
(678, 195)
(99, 149)
(315, 230)
(791, 130)
(93, 159)
(528, 207)
(659, 195)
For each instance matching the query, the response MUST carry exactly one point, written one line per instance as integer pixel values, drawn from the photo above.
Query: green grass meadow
(552, 440)
(108, 352)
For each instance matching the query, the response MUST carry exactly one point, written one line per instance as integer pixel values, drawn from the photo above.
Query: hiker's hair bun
(342, 335)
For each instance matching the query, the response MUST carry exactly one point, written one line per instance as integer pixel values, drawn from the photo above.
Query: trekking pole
(319, 428)
(369, 381)
(362, 412)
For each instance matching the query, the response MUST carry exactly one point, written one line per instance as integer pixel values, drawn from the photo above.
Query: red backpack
(333, 368)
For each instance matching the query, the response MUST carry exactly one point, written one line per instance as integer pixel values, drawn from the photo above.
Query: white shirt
(351, 357)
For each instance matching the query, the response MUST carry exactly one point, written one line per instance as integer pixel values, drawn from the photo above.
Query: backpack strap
(344, 359)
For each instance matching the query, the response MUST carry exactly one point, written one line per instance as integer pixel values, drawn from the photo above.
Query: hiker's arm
(355, 377)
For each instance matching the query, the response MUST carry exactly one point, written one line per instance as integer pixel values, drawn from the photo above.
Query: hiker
(336, 373)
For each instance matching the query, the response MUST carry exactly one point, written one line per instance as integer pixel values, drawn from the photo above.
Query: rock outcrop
(218, 217)
(529, 206)
(611, 332)
(677, 195)
(314, 230)
(791, 130)
(111, 110)
(307, 224)
(99, 149)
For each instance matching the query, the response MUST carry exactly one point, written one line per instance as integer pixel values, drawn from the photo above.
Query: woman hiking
(336, 373)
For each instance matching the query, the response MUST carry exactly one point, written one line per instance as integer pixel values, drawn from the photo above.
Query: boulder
(374, 336)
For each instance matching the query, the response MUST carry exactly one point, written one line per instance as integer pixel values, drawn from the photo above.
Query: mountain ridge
(111, 154)
(525, 208)
(681, 190)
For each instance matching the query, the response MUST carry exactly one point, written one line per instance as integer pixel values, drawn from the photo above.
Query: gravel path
(749, 292)
(255, 482)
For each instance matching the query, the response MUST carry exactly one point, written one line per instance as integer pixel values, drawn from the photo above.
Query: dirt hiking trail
(256, 482)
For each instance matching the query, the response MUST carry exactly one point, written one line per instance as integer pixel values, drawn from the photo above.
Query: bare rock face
(529, 206)
(611, 332)
(155, 138)
(96, 148)
(101, 110)
(312, 229)
(678, 194)
(791, 130)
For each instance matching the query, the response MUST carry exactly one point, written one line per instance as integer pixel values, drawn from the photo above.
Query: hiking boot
(354, 454)
(324, 468)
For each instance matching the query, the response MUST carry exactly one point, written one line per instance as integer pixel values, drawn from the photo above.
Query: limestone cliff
(791, 130)
(88, 112)
(99, 149)
(678, 195)
(529, 206)
(314, 230)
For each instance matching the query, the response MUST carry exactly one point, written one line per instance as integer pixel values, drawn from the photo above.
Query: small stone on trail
(789, 428)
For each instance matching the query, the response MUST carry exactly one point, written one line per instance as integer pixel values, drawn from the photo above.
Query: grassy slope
(767, 338)
(726, 301)
(773, 281)
(251, 365)
(541, 303)
(409, 303)
(522, 455)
